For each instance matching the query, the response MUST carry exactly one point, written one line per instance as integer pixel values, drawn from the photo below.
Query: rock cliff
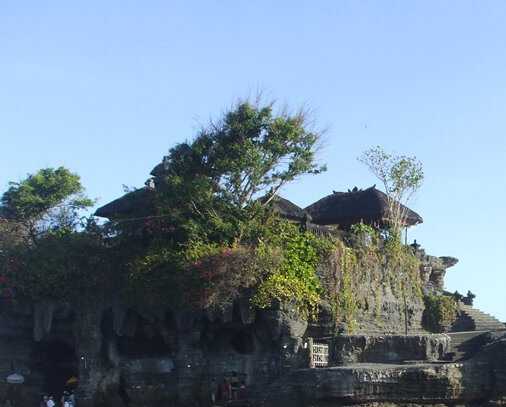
(162, 357)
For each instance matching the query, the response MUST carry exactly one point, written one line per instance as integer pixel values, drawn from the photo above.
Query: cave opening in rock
(243, 342)
(57, 362)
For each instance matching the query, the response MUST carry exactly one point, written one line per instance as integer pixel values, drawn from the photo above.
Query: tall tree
(401, 177)
(251, 151)
(50, 198)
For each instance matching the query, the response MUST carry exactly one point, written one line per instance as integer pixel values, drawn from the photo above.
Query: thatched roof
(346, 208)
(287, 209)
(133, 202)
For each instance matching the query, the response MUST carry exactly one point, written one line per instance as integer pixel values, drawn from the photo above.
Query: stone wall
(349, 349)
(479, 381)
(124, 356)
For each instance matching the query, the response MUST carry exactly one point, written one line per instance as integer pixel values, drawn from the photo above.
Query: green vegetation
(49, 199)
(291, 279)
(208, 188)
(440, 312)
(356, 277)
(209, 235)
(46, 249)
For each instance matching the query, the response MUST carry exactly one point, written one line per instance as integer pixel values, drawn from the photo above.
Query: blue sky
(106, 88)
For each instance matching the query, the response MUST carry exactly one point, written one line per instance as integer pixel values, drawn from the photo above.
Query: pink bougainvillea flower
(198, 263)
(227, 252)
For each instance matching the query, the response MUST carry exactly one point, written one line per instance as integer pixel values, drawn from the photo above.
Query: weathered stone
(129, 325)
(43, 311)
(424, 384)
(119, 314)
(225, 314)
(155, 357)
(449, 261)
(284, 323)
(247, 311)
(349, 349)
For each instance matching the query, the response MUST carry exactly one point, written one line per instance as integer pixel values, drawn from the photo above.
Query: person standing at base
(224, 390)
(242, 390)
(212, 389)
(234, 385)
(72, 398)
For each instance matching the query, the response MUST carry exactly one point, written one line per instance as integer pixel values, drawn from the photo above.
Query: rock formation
(162, 357)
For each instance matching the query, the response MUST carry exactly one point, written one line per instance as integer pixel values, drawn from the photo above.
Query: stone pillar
(89, 345)
(310, 351)
(189, 362)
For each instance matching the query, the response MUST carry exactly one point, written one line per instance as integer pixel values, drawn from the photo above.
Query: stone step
(473, 319)
(464, 345)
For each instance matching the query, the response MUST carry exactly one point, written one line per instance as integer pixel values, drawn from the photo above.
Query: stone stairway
(472, 319)
(463, 345)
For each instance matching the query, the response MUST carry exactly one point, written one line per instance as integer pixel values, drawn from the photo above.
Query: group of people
(67, 400)
(229, 389)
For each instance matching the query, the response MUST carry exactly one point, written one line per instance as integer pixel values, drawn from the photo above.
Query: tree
(201, 244)
(214, 180)
(401, 177)
(48, 199)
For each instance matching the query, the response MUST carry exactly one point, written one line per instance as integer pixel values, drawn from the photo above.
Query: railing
(320, 231)
(320, 354)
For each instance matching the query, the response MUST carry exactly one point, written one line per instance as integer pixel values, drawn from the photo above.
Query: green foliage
(279, 268)
(41, 252)
(49, 198)
(199, 276)
(361, 228)
(292, 280)
(64, 264)
(207, 189)
(208, 240)
(363, 235)
(439, 310)
(208, 222)
(248, 151)
(355, 278)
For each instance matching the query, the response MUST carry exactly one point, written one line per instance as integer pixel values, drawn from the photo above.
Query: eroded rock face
(479, 381)
(494, 354)
(429, 384)
(433, 269)
(162, 357)
(350, 349)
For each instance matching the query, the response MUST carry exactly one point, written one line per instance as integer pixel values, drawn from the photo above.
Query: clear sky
(105, 88)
